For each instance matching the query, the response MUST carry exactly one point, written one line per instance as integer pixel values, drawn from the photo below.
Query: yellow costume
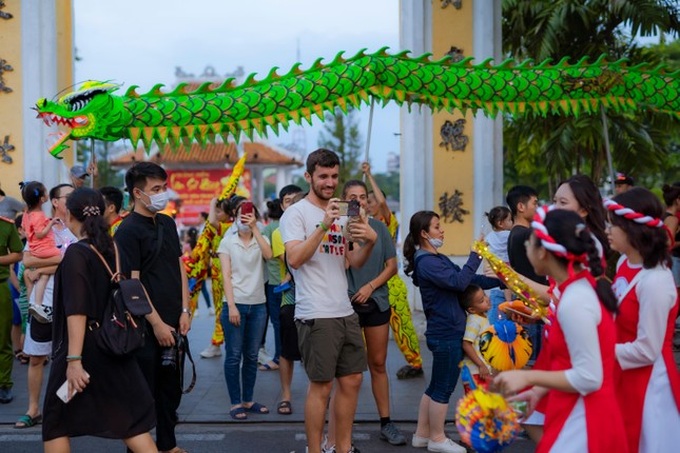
(400, 318)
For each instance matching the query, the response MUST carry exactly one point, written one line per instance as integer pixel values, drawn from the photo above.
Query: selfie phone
(353, 208)
(246, 207)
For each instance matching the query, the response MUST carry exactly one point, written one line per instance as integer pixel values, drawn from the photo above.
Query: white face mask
(436, 243)
(157, 202)
(242, 227)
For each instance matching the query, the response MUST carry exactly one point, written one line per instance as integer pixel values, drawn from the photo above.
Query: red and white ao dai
(581, 343)
(647, 379)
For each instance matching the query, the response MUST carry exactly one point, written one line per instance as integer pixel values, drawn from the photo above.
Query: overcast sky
(142, 42)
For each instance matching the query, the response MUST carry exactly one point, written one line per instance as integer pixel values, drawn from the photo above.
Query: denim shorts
(446, 356)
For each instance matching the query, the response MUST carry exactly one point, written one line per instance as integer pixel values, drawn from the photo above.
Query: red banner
(195, 189)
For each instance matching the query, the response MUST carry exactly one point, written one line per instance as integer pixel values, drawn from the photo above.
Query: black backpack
(122, 328)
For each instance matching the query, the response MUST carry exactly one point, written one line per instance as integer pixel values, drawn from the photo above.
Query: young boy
(476, 303)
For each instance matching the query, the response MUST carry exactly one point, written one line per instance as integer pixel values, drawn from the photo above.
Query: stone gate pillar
(36, 60)
(450, 163)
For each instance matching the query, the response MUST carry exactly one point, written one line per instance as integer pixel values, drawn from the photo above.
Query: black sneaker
(409, 372)
(390, 433)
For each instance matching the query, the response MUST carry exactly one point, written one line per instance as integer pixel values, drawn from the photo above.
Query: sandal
(269, 366)
(257, 408)
(26, 421)
(284, 408)
(21, 357)
(238, 413)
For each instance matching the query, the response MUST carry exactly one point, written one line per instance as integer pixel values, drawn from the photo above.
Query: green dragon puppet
(254, 106)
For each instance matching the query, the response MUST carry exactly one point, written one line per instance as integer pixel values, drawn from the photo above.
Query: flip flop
(26, 421)
(257, 408)
(284, 408)
(238, 413)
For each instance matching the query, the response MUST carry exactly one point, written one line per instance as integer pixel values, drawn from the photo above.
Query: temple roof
(259, 153)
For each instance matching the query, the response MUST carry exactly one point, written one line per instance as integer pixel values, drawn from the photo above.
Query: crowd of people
(322, 270)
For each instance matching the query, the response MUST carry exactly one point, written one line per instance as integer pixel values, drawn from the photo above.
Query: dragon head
(78, 111)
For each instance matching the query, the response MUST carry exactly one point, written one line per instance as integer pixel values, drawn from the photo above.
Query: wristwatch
(187, 311)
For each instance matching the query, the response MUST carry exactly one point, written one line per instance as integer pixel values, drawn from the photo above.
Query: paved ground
(206, 426)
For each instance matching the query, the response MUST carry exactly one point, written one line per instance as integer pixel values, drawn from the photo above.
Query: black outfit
(137, 239)
(113, 405)
(517, 253)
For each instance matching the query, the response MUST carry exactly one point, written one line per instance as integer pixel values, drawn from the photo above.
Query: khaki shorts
(331, 347)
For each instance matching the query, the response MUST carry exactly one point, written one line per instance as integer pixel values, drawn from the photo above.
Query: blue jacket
(441, 282)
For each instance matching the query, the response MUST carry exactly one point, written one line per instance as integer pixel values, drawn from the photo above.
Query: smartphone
(353, 208)
(246, 207)
(343, 207)
(62, 392)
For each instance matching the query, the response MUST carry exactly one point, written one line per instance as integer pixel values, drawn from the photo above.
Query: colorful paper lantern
(505, 345)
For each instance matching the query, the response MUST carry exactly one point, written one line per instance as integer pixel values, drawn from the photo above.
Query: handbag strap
(115, 276)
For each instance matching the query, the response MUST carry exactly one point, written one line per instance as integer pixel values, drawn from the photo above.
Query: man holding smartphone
(330, 338)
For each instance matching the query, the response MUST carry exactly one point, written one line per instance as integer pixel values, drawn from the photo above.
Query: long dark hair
(651, 242)
(588, 197)
(420, 221)
(567, 229)
(87, 206)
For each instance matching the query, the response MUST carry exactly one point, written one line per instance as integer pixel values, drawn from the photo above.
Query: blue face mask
(436, 243)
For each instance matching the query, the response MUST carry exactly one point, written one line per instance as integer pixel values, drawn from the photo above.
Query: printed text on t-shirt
(333, 241)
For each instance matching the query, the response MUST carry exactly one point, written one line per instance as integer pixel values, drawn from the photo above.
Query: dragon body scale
(179, 117)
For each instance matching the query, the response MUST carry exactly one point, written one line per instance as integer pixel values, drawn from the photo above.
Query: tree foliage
(107, 176)
(544, 150)
(341, 134)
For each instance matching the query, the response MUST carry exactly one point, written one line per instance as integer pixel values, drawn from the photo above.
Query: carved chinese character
(458, 4)
(4, 149)
(451, 207)
(4, 67)
(4, 15)
(452, 135)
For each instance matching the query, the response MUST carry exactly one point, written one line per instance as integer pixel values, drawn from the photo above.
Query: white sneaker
(41, 313)
(419, 442)
(211, 311)
(211, 351)
(447, 446)
(196, 313)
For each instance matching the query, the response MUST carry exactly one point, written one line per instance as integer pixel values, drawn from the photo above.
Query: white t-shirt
(63, 239)
(247, 268)
(498, 244)
(321, 282)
